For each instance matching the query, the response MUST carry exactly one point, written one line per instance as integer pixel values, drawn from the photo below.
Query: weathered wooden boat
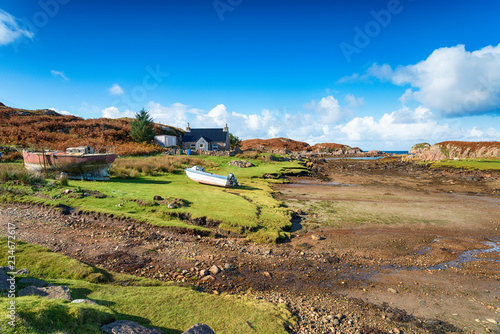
(78, 162)
(198, 174)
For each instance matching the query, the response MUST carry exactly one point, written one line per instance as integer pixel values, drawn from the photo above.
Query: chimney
(188, 129)
(225, 128)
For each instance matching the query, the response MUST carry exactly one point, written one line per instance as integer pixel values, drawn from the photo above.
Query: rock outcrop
(240, 163)
(199, 329)
(6, 282)
(50, 292)
(128, 327)
(456, 150)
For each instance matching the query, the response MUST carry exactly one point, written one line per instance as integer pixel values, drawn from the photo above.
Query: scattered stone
(267, 274)
(316, 237)
(171, 206)
(392, 290)
(397, 331)
(23, 271)
(493, 321)
(229, 266)
(240, 163)
(85, 301)
(203, 272)
(50, 292)
(157, 198)
(207, 278)
(33, 282)
(214, 270)
(199, 329)
(128, 327)
(336, 322)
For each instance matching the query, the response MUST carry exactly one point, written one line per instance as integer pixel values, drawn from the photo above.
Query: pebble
(214, 270)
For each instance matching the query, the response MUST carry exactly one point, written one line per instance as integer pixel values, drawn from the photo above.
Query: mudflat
(424, 240)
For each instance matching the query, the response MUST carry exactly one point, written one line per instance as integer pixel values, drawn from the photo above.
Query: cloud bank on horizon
(451, 83)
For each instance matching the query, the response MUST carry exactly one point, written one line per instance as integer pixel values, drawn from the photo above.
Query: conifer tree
(142, 128)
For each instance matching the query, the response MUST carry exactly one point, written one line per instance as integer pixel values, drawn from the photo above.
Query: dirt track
(388, 243)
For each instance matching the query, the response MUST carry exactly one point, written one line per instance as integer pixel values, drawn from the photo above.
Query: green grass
(150, 303)
(44, 263)
(470, 164)
(235, 208)
(40, 316)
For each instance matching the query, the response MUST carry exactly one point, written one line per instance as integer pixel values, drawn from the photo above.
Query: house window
(193, 146)
(215, 147)
(201, 145)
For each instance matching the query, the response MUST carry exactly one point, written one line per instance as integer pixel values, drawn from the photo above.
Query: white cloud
(328, 109)
(113, 112)
(403, 124)
(116, 90)
(10, 29)
(399, 129)
(349, 78)
(451, 80)
(177, 114)
(62, 112)
(59, 74)
(353, 101)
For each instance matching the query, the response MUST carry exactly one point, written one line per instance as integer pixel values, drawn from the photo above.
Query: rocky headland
(456, 150)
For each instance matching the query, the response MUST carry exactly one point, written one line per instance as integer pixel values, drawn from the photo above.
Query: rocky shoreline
(335, 280)
(236, 267)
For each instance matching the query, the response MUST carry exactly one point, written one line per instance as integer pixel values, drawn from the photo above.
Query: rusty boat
(80, 163)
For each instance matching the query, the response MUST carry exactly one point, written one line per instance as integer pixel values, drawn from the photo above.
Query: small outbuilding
(166, 140)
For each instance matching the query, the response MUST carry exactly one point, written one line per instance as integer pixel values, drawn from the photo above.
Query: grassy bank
(123, 297)
(249, 210)
(469, 164)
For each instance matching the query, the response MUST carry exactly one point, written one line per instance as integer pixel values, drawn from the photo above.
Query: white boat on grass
(199, 175)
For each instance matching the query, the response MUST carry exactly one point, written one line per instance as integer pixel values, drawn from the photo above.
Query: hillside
(456, 149)
(284, 144)
(50, 130)
(274, 144)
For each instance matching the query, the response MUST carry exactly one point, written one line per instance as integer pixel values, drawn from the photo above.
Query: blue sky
(374, 74)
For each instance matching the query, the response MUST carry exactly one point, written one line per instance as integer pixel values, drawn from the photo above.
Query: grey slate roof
(210, 135)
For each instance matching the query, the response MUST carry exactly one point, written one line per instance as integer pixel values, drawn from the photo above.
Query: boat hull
(209, 178)
(83, 166)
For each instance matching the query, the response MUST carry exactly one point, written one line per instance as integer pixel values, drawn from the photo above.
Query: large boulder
(33, 282)
(240, 163)
(50, 292)
(128, 327)
(6, 282)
